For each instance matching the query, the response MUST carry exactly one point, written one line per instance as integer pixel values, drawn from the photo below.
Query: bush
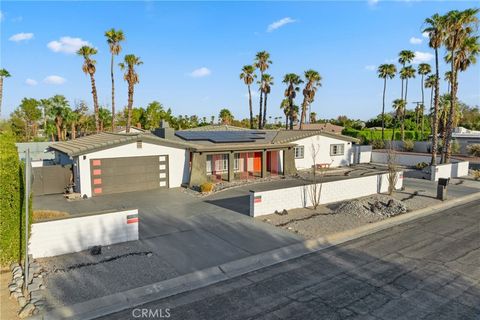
(39, 215)
(474, 150)
(12, 241)
(455, 147)
(476, 174)
(207, 187)
(378, 144)
(421, 165)
(408, 145)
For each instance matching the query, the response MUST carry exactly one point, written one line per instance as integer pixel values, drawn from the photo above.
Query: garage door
(114, 175)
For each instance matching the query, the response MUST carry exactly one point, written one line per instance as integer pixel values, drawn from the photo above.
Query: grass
(39, 215)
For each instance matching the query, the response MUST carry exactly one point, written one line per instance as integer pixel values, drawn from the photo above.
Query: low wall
(449, 170)
(266, 202)
(362, 154)
(403, 159)
(52, 238)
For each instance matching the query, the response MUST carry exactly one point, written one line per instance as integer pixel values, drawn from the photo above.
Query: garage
(114, 175)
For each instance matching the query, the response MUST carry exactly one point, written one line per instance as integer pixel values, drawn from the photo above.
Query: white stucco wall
(52, 238)
(300, 197)
(323, 144)
(450, 170)
(402, 159)
(178, 162)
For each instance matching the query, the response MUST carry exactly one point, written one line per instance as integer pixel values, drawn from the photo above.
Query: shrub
(476, 174)
(408, 145)
(12, 239)
(39, 215)
(421, 165)
(455, 147)
(474, 150)
(378, 144)
(207, 187)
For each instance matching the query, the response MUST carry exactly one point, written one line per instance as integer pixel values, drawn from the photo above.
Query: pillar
(264, 163)
(231, 170)
(289, 167)
(198, 173)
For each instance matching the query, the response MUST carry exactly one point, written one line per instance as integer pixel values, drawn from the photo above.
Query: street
(425, 269)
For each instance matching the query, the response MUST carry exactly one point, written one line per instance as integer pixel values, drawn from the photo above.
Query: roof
(218, 127)
(38, 150)
(106, 140)
(327, 127)
(284, 136)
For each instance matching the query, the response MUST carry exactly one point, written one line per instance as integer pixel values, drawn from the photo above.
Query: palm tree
(104, 116)
(447, 77)
(385, 71)
(404, 57)
(405, 74)
(89, 68)
(313, 117)
(262, 62)
(71, 119)
(248, 75)
(3, 74)
(399, 107)
(267, 83)
(292, 80)
(313, 82)
(129, 63)
(430, 84)
(459, 27)
(225, 116)
(435, 30)
(423, 69)
(114, 37)
(285, 106)
(58, 108)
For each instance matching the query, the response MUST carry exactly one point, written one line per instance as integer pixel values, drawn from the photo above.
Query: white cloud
(200, 72)
(67, 44)
(31, 82)
(1, 15)
(372, 2)
(422, 57)
(425, 35)
(280, 23)
(414, 40)
(54, 80)
(21, 37)
(370, 67)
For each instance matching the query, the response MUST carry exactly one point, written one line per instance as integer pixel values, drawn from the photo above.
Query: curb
(132, 298)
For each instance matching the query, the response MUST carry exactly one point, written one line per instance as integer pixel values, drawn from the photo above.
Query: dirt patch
(8, 306)
(39, 215)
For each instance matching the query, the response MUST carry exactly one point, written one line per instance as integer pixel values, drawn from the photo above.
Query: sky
(193, 52)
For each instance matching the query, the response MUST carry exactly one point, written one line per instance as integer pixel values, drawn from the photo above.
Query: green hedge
(367, 136)
(12, 238)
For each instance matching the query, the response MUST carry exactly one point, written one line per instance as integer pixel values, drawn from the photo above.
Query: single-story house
(326, 126)
(118, 162)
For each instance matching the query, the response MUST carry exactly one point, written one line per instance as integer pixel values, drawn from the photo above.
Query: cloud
(67, 45)
(1, 15)
(414, 40)
(370, 67)
(200, 72)
(21, 37)
(422, 57)
(280, 23)
(372, 2)
(425, 35)
(31, 82)
(54, 80)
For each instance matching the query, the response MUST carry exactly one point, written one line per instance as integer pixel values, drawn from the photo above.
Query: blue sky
(193, 51)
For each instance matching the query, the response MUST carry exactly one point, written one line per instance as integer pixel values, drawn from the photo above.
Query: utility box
(442, 188)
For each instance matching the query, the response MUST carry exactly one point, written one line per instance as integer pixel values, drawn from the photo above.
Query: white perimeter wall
(52, 238)
(323, 144)
(178, 162)
(401, 158)
(299, 197)
(449, 170)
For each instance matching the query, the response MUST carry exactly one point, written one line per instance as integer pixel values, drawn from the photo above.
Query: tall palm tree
(459, 27)
(58, 108)
(248, 75)
(447, 77)
(292, 80)
(3, 74)
(435, 30)
(129, 63)
(262, 62)
(313, 79)
(285, 106)
(399, 107)
(423, 70)
(406, 73)
(89, 68)
(114, 37)
(385, 71)
(404, 57)
(267, 83)
(430, 84)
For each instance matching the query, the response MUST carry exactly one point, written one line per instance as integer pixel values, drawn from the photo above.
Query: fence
(52, 238)
(266, 202)
(51, 179)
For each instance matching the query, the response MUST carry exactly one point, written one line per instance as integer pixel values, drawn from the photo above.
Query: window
(337, 149)
(299, 152)
(236, 161)
(220, 163)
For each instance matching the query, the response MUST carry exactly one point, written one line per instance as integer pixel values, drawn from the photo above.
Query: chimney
(165, 131)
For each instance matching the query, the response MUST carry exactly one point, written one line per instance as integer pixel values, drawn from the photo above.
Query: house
(326, 127)
(118, 162)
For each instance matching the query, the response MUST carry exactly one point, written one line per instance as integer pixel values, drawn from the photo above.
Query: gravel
(378, 205)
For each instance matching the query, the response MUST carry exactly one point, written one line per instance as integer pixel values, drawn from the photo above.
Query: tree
(58, 107)
(71, 120)
(89, 68)
(405, 74)
(292, 80)
(404, 57)
(313, 79)
(399, 107)
(447, 77)
(313, 117)
(385, 71)
(105, 117)
(114, 37)
(225, 116)
(130, 62)
(262, 62)
(3, 74)
(430, 84)
(29, 111)
(462, 46)
(423, 70)
(434, 29)
(267, 83)
(248, 76)
(153, 114)
(285, 106)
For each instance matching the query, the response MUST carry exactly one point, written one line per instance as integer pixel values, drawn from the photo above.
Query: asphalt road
(425, 269)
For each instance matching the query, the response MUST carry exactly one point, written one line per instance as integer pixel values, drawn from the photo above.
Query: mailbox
(442, 188)
(443, 181)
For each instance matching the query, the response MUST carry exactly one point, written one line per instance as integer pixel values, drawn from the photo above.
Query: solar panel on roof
(221, 136)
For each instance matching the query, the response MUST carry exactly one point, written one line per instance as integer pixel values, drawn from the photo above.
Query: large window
(217, 163)
(299, 152)
(337, 149)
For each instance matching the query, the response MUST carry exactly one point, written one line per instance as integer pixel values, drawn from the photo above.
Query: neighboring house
(112, 162)
(39, 153)
(465, 137)
(326, 127)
